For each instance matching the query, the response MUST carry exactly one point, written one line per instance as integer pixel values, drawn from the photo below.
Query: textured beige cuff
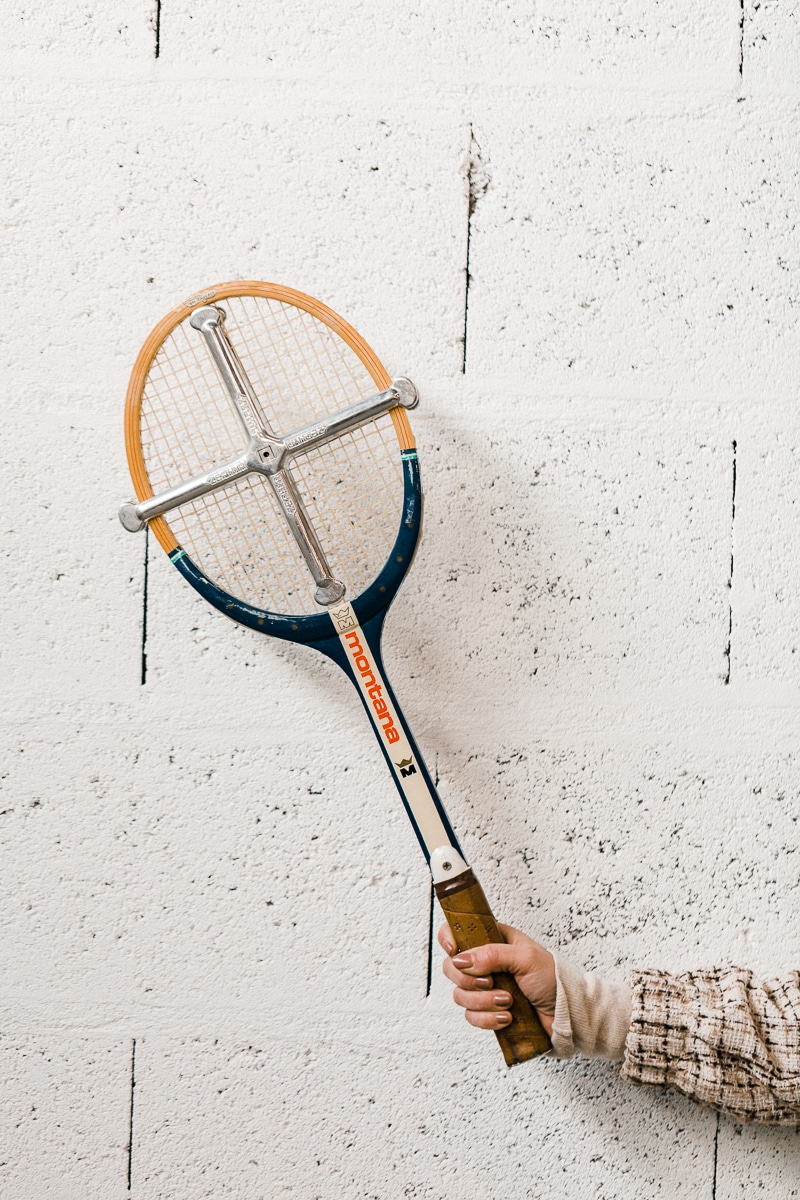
(592, 1017)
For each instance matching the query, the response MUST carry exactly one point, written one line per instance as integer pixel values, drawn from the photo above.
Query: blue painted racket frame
(317, 629)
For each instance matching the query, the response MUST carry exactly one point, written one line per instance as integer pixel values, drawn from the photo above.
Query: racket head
(361, 491)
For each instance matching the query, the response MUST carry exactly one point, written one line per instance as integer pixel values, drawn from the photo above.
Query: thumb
(486, 960)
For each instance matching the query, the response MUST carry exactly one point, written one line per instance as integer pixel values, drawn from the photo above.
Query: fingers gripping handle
(472, 924)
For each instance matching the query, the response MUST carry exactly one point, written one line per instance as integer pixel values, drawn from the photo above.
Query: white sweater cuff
(592, 1017)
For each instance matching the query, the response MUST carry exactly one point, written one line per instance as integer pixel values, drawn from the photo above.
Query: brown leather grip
(472, 924)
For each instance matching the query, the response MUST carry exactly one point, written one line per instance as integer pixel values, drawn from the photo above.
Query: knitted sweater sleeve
(722, 1037)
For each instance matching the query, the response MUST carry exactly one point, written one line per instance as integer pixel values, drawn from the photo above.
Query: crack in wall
(741, 38)
(130, 1115)
(157, 28)
(716, 1154)
(431, 907)
(429, 978)
(144, 604)
(730, 576)
(477, 182)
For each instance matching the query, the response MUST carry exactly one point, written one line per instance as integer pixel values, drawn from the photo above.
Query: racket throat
(447, 865)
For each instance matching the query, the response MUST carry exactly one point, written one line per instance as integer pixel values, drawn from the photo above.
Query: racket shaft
(358, 651)
(462, 898)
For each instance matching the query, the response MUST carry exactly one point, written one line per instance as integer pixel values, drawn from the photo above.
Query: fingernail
(503, 1019)
(501, 999)
(484, 984)
(450, 947)
(462, 960)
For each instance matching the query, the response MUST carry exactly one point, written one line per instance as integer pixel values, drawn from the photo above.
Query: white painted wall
(214, 864)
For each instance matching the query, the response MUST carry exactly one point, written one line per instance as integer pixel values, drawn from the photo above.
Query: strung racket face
(302, 364)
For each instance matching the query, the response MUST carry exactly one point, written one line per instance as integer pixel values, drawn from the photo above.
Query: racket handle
(472, 924)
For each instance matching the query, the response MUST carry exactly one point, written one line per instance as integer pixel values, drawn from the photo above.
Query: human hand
(532, 966)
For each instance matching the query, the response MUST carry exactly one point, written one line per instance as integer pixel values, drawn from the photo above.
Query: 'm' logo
(344, 618)
(406, 766)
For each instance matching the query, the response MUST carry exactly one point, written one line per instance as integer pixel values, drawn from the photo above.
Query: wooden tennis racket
(272, 457)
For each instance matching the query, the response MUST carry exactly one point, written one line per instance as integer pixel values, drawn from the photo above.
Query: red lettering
(372, 688)
(355, 644)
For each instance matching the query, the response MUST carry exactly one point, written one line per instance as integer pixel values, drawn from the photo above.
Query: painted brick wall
(208, 886)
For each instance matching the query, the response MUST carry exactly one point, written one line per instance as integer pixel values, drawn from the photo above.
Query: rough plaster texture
(209, 890)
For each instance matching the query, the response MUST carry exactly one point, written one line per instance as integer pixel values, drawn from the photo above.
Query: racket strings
(319, 470)
(352, 487)
(177, 373)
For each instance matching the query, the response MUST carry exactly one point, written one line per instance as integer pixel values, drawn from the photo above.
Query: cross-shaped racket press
(268, 453)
